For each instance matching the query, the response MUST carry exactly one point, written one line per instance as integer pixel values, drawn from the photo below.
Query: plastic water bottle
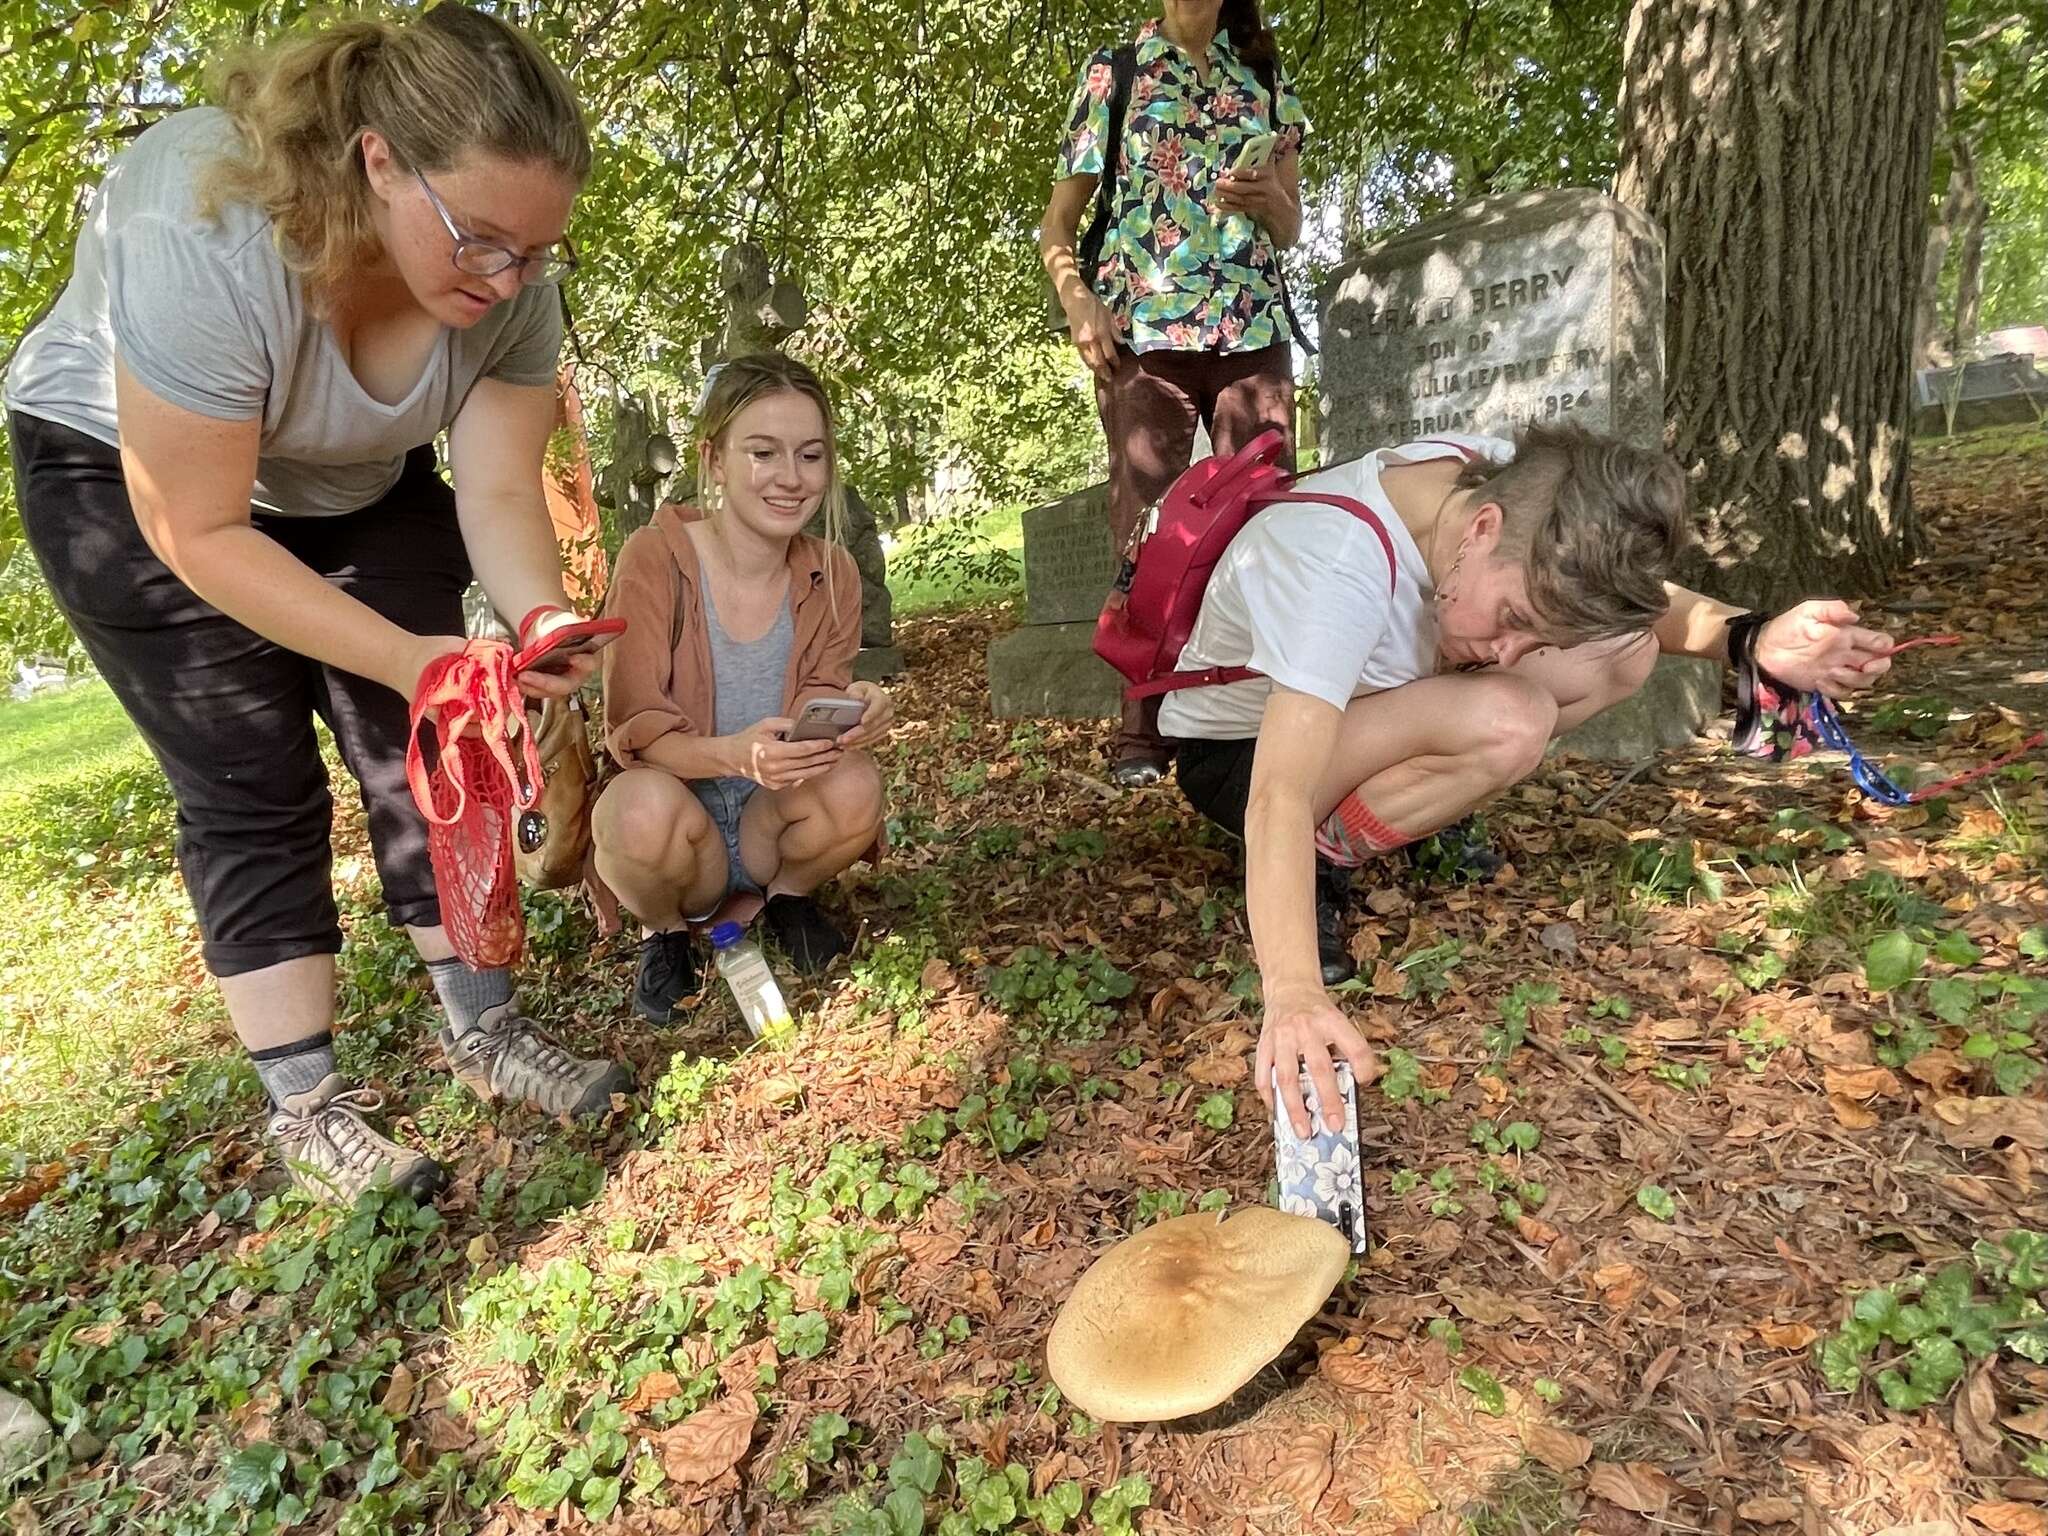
(745, 970)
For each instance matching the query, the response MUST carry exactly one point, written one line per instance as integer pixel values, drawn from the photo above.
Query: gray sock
(294, 1068)
(466, 995)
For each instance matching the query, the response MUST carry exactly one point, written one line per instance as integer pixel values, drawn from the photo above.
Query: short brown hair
(1596, 525)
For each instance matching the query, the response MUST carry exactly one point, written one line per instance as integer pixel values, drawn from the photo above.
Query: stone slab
(1069, 558)
(1998, 391)
(1051, 670)
(874, 663)
(1534, 306)
(1675, 705)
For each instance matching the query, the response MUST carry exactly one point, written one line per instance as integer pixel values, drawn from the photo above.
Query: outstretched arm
(1818, 646)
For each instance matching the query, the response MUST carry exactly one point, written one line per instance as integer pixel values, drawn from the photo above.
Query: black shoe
(799, 925)
(1457, 855)
(669, 972)
(1333, 927)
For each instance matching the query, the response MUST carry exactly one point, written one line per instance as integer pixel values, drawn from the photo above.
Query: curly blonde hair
(436, 86)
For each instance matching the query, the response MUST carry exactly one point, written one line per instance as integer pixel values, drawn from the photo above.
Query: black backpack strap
(1268, 73)
(1123, 69)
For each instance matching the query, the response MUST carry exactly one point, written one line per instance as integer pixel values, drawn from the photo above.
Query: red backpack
(1152, 609)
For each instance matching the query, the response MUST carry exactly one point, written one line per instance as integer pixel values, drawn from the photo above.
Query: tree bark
(1784, 148)
(1969, 257)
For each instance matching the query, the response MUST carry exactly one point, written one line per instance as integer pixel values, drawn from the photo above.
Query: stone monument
(1048, 666)
(1536, 306)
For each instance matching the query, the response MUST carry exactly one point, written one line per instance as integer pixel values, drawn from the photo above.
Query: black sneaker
(799, 925)
(669, 972)
(1457, 854)
(1333, 927)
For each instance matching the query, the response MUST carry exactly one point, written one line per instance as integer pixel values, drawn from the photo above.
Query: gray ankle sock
(466, 995)
(294, 1068)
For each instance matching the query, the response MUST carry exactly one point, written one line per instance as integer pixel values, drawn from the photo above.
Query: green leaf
(1879, 1308)
(1841, 1363)
(2013, 1074)
(2034, 942)
(1487, 1390)
(253, 1474)
(802, 1334)
(1521, 1135)
(1955, 948)
(1936, 1366)
(1892, 960)
(1976, 1330)
(1655, 1199)
(1550, 1391)
(1948, 1292)
(599, 1497)
(1953, 998)
(993, 1505)
(916, 1465)
(904, 1509)
(547, 1492)
(1980, 1047)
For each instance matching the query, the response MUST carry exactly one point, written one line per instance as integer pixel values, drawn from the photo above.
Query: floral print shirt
(1177, 272)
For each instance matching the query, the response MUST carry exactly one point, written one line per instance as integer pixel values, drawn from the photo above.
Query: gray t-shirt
(205, 313)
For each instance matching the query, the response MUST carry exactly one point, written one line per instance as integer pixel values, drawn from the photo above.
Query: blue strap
(1870, 778)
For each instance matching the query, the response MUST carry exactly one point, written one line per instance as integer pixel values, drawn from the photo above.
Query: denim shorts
(723, 801)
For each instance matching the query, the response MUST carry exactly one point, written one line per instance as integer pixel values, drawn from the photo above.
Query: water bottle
(746, 972)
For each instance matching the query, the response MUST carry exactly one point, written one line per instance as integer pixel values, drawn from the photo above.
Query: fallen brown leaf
(1303, 1465)
(2009, 1517)
(1558, 1449)
(1770, 1511)
(1636, 1485)
(445, 1432)
(1787, 1335)
(651, 1391)
(933, 1248)
(1619, 1284)
(2033, 1422)
(397, 1400)
(1985, 1122)
(1216, 1070)
(1976, 1421)
(1479, 1304)
(1854, 1116)
(1861, 1082)
(709, 1443)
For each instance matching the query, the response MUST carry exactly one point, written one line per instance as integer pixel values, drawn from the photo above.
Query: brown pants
(1150, 409)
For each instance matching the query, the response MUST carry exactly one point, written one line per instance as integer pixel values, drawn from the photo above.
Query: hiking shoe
(670, 971)
(799, 925)
(1137, 773)
(1333, 927)
(334, 1154)
(507, 1056)
(1458, 854)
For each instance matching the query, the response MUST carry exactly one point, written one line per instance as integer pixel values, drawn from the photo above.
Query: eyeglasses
(481, 258)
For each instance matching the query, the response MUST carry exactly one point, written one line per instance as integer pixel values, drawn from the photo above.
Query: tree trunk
(1783, 146)
(1929, 345)
(1969, 258)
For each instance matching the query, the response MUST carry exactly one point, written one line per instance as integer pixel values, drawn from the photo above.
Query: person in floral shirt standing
(1184, 317)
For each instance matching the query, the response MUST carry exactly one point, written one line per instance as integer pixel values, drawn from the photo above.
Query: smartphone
(1255, 151)
(553, 651)
(827, 719)
(1323, 1175)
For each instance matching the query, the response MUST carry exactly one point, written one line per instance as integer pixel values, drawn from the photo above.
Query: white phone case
(1322, 1176)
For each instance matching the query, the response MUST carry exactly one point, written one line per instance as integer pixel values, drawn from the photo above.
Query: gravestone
(1048, 666)
(1995, 392)
(1534, 306)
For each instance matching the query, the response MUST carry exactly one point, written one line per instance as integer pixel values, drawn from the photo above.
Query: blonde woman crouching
(737, 619)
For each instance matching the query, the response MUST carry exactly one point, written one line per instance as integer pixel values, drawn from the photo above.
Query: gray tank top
(747, 677)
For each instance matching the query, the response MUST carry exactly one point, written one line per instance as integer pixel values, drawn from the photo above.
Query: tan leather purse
(550, 841)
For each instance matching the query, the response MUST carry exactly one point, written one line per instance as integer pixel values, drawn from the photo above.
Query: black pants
(1216, 778)
(228, 714)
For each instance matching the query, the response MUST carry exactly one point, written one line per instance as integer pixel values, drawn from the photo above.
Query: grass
(99, 975)
(922, 591)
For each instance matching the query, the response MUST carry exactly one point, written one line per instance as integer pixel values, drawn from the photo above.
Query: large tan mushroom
(1177, 1318)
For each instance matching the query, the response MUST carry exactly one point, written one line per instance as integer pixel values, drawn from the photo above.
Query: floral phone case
(1322, 1176)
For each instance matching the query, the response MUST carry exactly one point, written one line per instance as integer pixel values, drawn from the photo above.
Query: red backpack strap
(1173, 682)
(1355, 507)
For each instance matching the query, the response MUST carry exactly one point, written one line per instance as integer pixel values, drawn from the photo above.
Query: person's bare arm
(1297, 737)
(497, 448)
(1089, 322)
(1817, 645)
(189, 479)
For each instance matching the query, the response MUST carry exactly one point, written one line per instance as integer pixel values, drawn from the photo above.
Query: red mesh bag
(472, 794)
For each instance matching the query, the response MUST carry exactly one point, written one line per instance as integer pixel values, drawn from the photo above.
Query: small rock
(25, 1436)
